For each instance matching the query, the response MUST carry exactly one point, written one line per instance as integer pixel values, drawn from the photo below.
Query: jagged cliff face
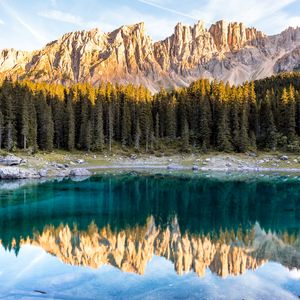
(130, 250)
(226, 51)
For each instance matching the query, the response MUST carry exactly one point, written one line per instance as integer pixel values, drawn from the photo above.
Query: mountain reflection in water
(196, 223)
(131, 249)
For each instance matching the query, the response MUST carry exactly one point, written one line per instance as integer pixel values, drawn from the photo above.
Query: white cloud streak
(1, 22)
(258, 13)
(179, 13)
(249, 11)
(16, 17)
(61, 16)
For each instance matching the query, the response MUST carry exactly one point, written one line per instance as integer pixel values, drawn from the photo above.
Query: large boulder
(195, 168)
(43, 173)
(80, 161)
(10, 160)
(284, 157)
(80, 172)
(18, 173)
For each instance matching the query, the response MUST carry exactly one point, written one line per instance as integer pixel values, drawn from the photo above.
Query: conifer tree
(70, 122)
(137, 135)
(98, 124)
(44, 122)
(1, 128)
(223, 140)
(110, 127)
(85, 126)
(253, 112)
(244, 138)
(157, 125)
(235, 120)
(204, 123)
(25, 121)
(126, 123)
(32, 133)
(268, 136)
(171, 117)
(291, 115)
(185, 135)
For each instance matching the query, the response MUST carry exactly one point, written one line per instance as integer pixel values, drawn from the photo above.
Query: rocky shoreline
(37, 167)
(14, 167)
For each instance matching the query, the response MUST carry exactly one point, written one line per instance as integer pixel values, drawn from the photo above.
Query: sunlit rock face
(226, 51)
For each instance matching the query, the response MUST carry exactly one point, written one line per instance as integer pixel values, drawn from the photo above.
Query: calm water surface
(150, 236)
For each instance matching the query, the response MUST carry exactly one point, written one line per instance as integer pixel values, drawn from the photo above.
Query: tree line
(205, 116)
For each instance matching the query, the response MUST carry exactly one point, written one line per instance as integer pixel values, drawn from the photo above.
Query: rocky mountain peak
(233, 36)
(227, 51)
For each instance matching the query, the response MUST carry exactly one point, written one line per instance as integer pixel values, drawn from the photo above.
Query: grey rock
(60, 166)
(43, 173)
(195, 168)
(80, 172)
(173, 167)
(10, 160)
(284, 157)
(133, 156)
(18, 173)
(80, 161)
(252, 154)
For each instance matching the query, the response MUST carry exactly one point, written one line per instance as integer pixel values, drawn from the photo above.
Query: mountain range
(225, 51)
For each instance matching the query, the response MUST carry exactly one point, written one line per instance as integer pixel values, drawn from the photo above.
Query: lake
(151, 236)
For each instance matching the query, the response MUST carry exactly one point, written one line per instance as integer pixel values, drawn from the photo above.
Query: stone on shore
(18, 173)
(43, 173)
(284, 157)
(10, 160)
(80, 161)
(174, 167)
(80, 172)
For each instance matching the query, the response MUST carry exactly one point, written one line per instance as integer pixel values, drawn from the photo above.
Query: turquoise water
(151, 236)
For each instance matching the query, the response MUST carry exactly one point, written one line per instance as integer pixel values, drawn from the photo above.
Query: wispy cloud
(247, 11)
(16, 17)
(110, 19)
(174, 11)
(1, 22)
(251, 12)
(61, 16)
(156, 26)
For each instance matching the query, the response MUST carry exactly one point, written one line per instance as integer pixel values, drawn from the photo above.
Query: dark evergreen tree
(185, 135)
(268, 134)
(69, 122)
(98, 139)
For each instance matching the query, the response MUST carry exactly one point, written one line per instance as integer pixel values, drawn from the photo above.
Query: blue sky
(29, 24)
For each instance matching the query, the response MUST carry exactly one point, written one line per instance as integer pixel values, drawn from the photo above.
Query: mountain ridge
(227, 51)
